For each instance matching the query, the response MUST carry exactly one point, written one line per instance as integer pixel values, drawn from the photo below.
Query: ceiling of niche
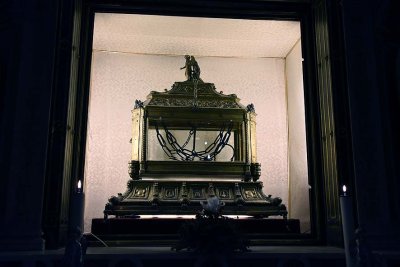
(164, 35)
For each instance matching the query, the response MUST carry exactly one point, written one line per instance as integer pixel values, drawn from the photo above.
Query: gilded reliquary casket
(190, 143)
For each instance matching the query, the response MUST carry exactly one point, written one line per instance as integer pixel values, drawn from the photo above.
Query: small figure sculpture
(212, 236)
(212, 207)
(192, 71)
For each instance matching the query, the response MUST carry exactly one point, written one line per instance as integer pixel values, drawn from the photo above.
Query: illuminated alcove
(258, 60)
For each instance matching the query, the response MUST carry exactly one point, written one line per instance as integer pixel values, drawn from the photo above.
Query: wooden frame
(326, 157)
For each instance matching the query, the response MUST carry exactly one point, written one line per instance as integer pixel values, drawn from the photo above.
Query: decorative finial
(250, 108)
(138, 104)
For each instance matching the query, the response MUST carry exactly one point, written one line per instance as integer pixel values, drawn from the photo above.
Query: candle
(77, 207)
(79, 187)
(346, 208)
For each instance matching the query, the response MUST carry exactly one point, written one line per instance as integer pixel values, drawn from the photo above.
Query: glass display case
(190, 143)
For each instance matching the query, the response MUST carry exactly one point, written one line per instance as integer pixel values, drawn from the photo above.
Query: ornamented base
(183, 197)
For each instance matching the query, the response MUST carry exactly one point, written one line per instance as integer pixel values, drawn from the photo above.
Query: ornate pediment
(190, 93)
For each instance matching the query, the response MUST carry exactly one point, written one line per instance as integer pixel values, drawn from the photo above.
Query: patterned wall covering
(298, 173)
(118, 79)
(135, 54)
(165, 35)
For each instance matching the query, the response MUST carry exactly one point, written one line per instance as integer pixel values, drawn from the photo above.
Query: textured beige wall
(298, 174)
(174, 35)
(119, 78)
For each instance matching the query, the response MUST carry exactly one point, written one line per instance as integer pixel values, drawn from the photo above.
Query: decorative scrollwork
(188, 102)
(115, 200)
